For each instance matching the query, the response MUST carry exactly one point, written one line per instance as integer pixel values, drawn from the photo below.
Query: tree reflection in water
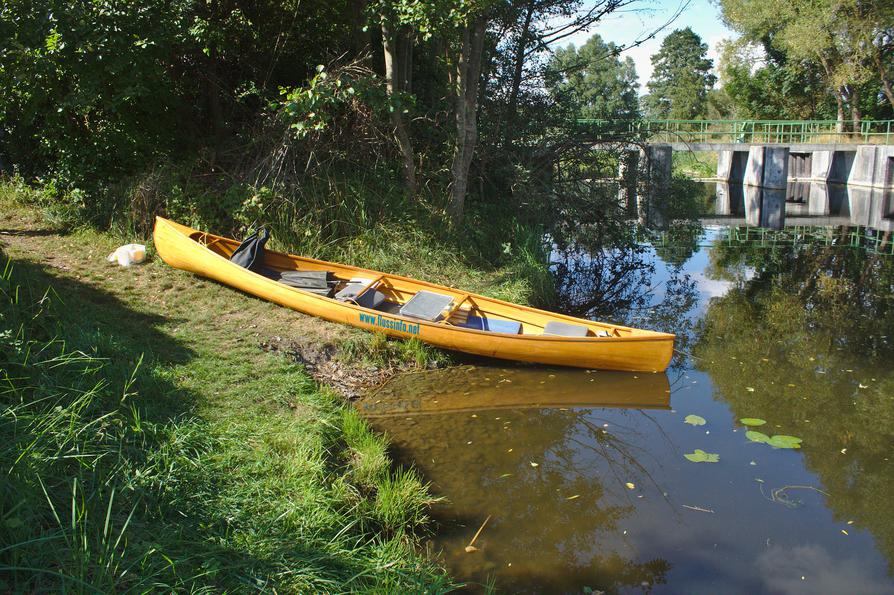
(812, 332)
(604, 269)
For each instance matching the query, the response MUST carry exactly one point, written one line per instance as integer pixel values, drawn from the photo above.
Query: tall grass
(110, 480)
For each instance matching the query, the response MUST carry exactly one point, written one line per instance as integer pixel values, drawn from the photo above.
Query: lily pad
(756, 436)
(783, 441)
(694, 420)
(700, 456)
(753, 421)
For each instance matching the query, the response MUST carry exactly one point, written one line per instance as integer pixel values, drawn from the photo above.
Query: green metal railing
(741, 131)
(858, 237)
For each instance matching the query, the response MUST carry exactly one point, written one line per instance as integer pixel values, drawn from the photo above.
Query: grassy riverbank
(695, 164)
(149, 442)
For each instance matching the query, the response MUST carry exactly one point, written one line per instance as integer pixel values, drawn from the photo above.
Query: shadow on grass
(163, 478)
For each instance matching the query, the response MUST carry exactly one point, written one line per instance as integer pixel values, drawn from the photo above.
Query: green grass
(166, 449)
(692, 164)
(148, 443)
(376, 349)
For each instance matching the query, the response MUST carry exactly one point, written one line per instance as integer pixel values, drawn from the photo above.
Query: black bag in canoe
(250, 253)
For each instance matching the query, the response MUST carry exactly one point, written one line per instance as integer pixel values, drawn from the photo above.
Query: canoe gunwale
(632, 350)
(648, 336)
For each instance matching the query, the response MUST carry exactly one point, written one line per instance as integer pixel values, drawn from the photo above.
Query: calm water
(582, 473)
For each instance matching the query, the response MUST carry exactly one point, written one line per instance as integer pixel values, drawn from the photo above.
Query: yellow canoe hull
(626, 349)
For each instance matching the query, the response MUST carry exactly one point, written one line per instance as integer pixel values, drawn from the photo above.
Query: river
(781, 393)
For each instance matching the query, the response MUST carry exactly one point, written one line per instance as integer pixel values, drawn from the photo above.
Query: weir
(765, 153)
(871, 166)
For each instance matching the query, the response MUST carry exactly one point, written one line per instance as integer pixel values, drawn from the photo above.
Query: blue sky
(638, 20)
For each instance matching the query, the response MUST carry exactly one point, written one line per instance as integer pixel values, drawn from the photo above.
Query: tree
(850, 41)
(397, 67)
(534, 25)
(681, 78)
(765, 83)
(467, 76)
(595, 81)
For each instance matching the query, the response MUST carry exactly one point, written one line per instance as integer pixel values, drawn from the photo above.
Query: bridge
(766, 153)
(687, 134)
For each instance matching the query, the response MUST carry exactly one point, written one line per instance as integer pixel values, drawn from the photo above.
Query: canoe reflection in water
(468, 388)
(545, 453)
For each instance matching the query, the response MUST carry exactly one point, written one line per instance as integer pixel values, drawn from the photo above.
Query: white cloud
(811, 569)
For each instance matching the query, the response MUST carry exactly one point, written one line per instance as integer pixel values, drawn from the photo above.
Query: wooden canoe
(624, 348)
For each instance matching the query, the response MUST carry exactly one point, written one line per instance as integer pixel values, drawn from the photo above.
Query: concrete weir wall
(873, 166)
(767, 167)
(771, 166)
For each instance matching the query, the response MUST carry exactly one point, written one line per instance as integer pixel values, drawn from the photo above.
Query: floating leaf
(694, 420)
(749, 389)
(700, 456)
(753, 421)
(533, 464)
(783, 441)
(756, 436)
(630, 486)
(573, 497)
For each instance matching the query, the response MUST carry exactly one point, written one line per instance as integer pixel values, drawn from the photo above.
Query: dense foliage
(841, 49)
(225, 114)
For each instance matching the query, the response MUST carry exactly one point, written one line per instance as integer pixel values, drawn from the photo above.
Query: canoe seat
(563, 329)
(426, 305)
(368, 299)
(317, 282)
(388, 307)
(494, 325)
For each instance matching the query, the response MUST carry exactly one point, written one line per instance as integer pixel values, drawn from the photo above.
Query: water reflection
(468, 388)
(537, 469)
(812, 334)
(802, 203)
(583, 474)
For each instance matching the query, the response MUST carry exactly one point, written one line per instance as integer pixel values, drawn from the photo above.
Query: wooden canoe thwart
(469, 322)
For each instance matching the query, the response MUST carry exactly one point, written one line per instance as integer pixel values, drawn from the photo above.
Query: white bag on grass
(128, 254)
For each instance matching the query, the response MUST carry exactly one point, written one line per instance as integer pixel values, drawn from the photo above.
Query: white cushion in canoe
(563, 329)
(426, 305)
